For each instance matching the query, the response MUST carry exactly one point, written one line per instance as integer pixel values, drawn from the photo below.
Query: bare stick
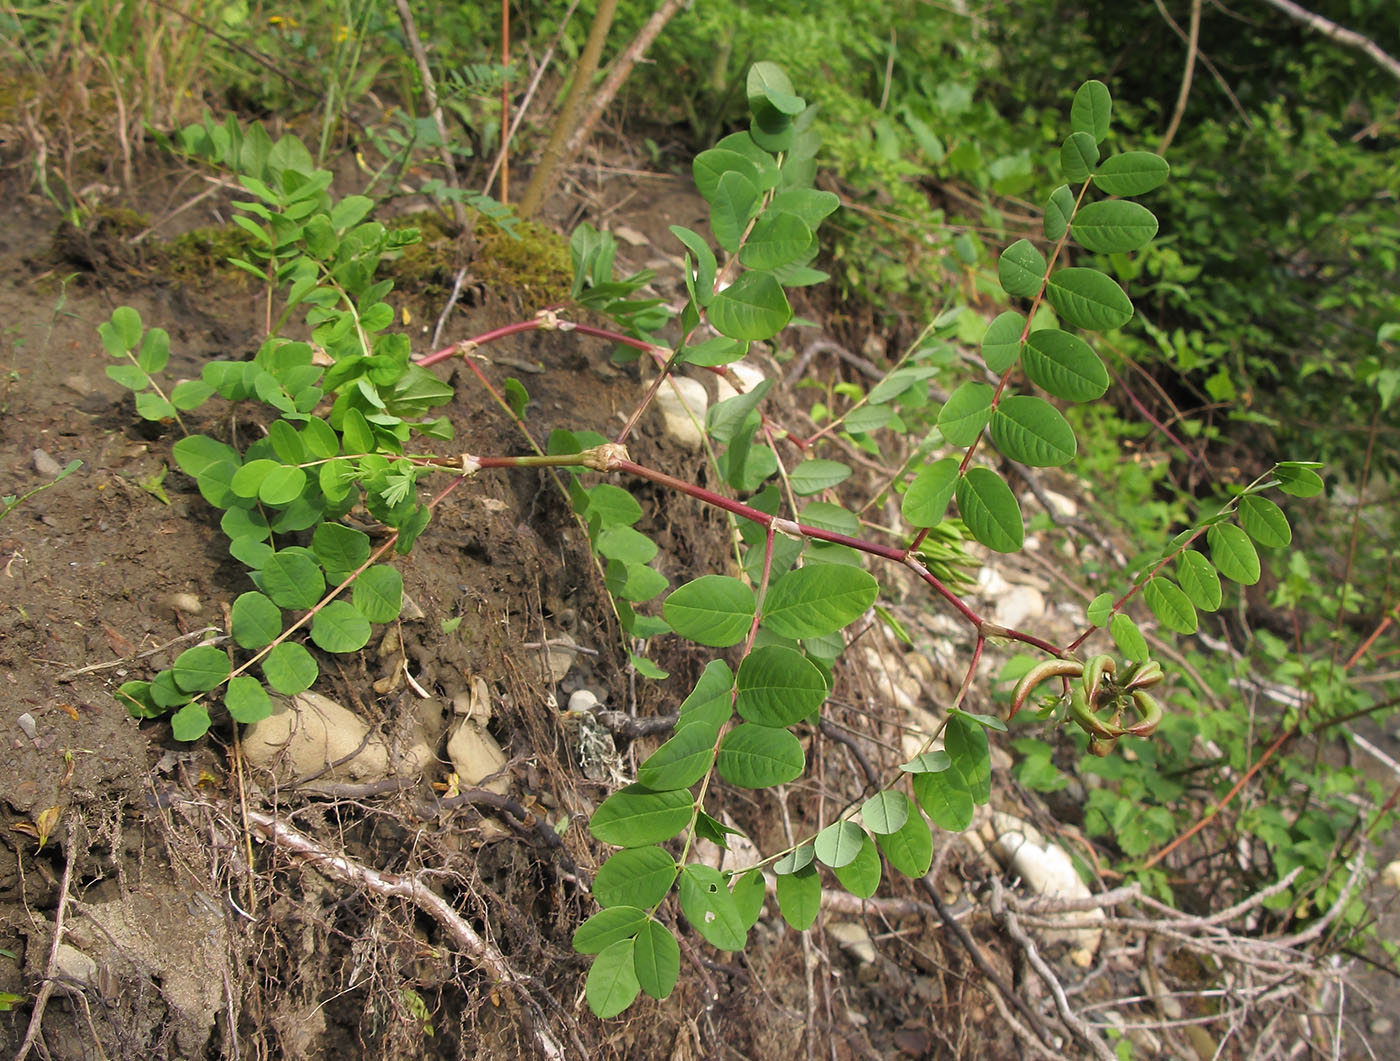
(1340, 34)
(347, 870)
(1192, 45)
(420, 58)
(618, 74)
(41, 1000)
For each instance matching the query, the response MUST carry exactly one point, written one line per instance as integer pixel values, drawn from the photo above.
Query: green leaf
(755, 756)
(768, 83)
(966, 413)
(1128, 637)
(931, 762)
(1170, 605)
(800, 897)
(340, 627)
(249, 478)
(1264, 521)
(281, 486)
(132, 377)
(779, 686)
(125, 331)
(612, 983)
(151, 406)
(289, 668)
(1088, 299)
(966, 744)
(1199, 580)
(985, 721)
(625, 544)
(190, 394)
(839, 843)
(926, 501)
(885, 812)
(1131, 173)
(1091, 110)
(197, 453)
(734, 204)
(705, 264)
(711, 701)
(777, 239)
(1064, 365)
(1297, 480)
(611, 506)
(1059, 208)
(754, 307)
(378, 593)
(725, 419)
(607, 927)
(1021, 269)
(1100, 609)
(910, 848)
(713, 610)
(710, 166)
(1031, 430)
(818, 599)
(190, 722)
(944, 799)
(246, 700)
(634, 582)
(795, 860)
(814, 476)
(861, 875)
(635, 876)
(1233, 553)
(810, 204)
(256, 621)
(1114, 226)
(292, 578)
(657, 958)
(516, 396)
(635, 815)
(681, 761)
(989, 509)
(199, 669)
(709, 906)
(1078, 156)
(749, 892)
(1001, 345)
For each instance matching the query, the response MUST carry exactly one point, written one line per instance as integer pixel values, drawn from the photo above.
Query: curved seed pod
(1089, 722)
(1102, 746)
(1094, 671)
(1050, 668)
(1149, 672)
(1150, 708)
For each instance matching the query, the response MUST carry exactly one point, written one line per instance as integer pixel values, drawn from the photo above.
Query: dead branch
(1340, 34)
(345, 869)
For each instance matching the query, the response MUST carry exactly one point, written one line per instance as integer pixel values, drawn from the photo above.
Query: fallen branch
(41, 1000)
(1340, 34)
(467, 939)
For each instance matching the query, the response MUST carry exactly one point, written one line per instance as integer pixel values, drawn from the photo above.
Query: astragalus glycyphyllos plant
(347, 405)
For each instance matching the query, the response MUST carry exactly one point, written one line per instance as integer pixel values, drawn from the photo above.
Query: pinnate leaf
(1088, 299)
(1233, 553)
(636, 815)
(1199, 580)
(990, 510)
(1170, 605)
(754, 756)
(1131, 173)
(635, 876)
(1021, 269)
(1064, 365)
(1031, 430)
(1114, 226)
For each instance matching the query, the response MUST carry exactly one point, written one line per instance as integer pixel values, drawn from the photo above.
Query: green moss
(533, 264)
(202, 254)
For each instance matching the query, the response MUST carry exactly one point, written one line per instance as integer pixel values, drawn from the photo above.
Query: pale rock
(72, 964)
(308, 733)
(475, 756)
(854, 940)
(417, 755)
(920, 726)
(630, 236)
(584, 700)
(748, 376)
(555, 659)
(46, 465)
(474, 702)
(186, 602)
(1012, 604)
(683, 402)
(1390, 875)
(1062, 505)
(1046, 871)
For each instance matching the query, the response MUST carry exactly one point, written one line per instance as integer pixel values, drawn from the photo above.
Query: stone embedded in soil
(309, 733)
(683, 402)
(46, 465)
(475, 756)
(555, 659)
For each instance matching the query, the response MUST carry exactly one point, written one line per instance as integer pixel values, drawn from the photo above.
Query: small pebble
(187, 603)
(46, 465)
(26, 724)
(1382, 1026)
(583, 700)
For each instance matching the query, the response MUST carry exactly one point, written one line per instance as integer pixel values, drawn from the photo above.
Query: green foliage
(343, 406)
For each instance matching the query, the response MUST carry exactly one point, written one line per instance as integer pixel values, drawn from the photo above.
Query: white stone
(854, 940)
(683, 402)
(186, 602)
(749, 376)
(308, 733)
(1047, 871)
(476, 755)
(1390, 875)
(583, 700)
